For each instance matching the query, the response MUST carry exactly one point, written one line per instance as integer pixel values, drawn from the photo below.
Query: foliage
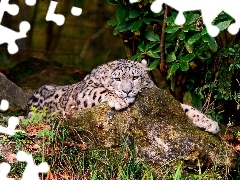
(198, 68)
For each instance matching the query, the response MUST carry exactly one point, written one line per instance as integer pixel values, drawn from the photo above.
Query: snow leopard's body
(117, 83)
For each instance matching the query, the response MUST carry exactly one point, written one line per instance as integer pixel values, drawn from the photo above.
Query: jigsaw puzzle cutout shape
(12, 121)
(31, 170)
(59, 19)
(210, 9)
(8, 35)
(4, 170)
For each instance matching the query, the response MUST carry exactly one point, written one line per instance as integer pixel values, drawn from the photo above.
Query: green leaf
(181, 35)
(136, 25)
(184, 60)
(187, 58)
(124, 26)
(191, 18)
(115, 31)
(171, 29)
(171, 57)
(196, 101)
(212, 44)
(151, 45)
(141, 46)
(204, 31)
(122, 13)
(186, 28)
(134, 13)
(153, 54)
(154, 64)
(183, 65)
(170, 20)
(147, 20)
(189, 47)
(172, 70)
(151, 36)
(194, 38)
(136, 56)
(223, 25)
(112, 22)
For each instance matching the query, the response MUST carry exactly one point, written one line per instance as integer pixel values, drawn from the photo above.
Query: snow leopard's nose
(127, 91)
(126, 87)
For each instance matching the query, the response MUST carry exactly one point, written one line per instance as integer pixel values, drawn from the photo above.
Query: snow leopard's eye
(117, 79)
(135, 77)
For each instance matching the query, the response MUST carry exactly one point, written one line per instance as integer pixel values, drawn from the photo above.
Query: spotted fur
(117, 83)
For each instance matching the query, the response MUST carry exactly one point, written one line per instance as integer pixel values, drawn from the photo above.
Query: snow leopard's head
(129, 78)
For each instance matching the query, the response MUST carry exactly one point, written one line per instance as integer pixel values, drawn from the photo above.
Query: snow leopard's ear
(144, 64)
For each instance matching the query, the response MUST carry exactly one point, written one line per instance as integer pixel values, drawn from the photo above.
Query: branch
(163, 66)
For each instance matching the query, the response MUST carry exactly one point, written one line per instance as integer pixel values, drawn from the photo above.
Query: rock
(160, 129)
(33, 73)
(16, 96)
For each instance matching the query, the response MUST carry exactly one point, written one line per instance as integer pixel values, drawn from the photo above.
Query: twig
(163, 67)
(93, 37)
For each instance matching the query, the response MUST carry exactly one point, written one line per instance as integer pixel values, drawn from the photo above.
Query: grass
(62, 147)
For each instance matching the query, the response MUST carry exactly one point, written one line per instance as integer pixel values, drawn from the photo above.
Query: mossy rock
(161, 131)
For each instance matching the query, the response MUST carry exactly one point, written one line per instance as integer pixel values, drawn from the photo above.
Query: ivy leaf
(171, 57)
(151, 36)
(194, 38)
(223, 25)
(171, 29)
(154, 64)
(134, 13)
(172, 70)
(122, 13)
(136, 25)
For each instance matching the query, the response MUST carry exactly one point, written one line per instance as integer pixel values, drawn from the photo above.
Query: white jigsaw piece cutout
(32, 170)
(12, 121)
(59, 19)
(8, 35)
(210, 9)
(4, 170)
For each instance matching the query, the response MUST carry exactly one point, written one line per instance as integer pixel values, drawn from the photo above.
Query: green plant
(198, 69)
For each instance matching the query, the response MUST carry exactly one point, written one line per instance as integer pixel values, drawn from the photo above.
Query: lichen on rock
(159, 127)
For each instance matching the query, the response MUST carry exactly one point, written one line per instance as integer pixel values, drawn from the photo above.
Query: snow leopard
(117, 83)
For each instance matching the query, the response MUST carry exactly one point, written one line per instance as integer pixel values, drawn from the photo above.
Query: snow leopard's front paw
(129, 100)
(116, 102)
